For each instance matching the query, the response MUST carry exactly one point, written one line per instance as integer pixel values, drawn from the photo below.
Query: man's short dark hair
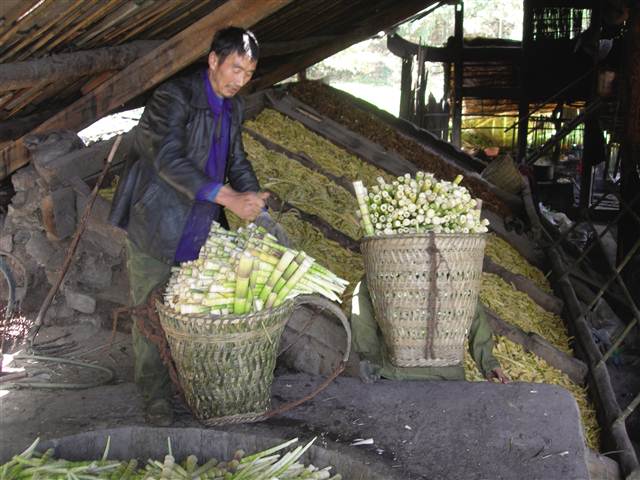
(234, 40)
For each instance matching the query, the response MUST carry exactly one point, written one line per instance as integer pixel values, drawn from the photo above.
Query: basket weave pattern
(226, 363)
(504, 174)
(424, 289)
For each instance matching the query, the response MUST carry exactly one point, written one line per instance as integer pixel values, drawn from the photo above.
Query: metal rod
(618, 270)
(72, 247)
(604, 232)
(619, 280)
(619, 340)
(629, 410)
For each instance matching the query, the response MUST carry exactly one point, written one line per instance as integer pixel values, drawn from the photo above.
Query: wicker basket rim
(422, 235)
(209, 316)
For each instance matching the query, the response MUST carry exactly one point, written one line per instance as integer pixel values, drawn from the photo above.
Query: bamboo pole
(12, 19)
(599, 375)
(66, 9)
(124, 10)
(159, 13)
(87, 19)
(187, 12)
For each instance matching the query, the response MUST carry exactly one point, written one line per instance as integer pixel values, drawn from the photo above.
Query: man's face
(228, 77)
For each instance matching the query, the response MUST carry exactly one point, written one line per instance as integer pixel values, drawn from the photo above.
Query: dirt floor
(430, 430)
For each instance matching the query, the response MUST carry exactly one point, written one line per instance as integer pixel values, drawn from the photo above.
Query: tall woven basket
(504, 174)
(225, 363)
(424, 289)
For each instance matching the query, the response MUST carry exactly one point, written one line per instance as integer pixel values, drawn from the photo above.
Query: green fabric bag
(368, 342)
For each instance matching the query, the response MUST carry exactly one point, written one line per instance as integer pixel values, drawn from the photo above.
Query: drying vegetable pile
(245, 271)
(335, 105)
(265, 465)
(296, 138)
(519, 309)
(505, 255)
(303, 188)
(417, 205)
(523, 366)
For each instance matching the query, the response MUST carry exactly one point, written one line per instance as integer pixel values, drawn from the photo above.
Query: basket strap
(433, 296)
(148, 323)
(322, 304)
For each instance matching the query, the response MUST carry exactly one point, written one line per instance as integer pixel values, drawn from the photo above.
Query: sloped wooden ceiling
(293, 34)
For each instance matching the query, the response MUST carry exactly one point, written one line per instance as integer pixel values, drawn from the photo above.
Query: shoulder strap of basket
(151, 327)
(148, 323)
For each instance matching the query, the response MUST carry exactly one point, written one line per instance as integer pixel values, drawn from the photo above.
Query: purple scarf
(204, 211)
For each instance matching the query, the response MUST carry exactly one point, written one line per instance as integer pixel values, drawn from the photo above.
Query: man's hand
(274, 228)
(497, 375)
(247, 205)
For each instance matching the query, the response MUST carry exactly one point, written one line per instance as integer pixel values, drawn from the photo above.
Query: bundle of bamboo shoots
(268, 464)
(245, 271)
(417, 205)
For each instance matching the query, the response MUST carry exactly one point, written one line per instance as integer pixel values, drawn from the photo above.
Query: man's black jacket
(167, 166)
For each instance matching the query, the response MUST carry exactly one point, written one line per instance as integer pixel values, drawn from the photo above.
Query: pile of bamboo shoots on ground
(265, 465)
(245, 271)
(418, 205)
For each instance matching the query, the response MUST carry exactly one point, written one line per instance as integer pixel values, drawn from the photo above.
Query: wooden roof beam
(403, 48)
(145, 73)
(64, 66)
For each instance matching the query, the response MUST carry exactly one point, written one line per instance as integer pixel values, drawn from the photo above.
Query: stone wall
(41, 222)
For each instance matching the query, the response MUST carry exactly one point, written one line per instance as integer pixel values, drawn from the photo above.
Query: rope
(148, 323)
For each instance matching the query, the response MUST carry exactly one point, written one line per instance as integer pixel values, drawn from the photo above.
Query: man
(374, 360)
(188, 164)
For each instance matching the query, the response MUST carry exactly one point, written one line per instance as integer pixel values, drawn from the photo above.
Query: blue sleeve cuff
(209, 192)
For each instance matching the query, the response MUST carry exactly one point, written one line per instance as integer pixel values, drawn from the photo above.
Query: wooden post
(593, 141)
(593, 153)
(629, 229)
(405, 88)
(523, 103)
(146, 72)
(456, 132)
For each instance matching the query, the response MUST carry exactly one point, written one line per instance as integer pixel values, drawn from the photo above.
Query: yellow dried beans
(505, 255)
(295, 137)
(303, 188)
(517, 308)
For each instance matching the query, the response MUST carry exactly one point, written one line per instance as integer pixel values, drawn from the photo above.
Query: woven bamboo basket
(424, 289)
(225, 363)
(504, 174)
